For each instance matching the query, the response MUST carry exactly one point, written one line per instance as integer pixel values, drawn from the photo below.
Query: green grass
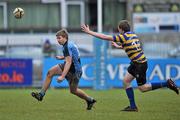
(59, 104)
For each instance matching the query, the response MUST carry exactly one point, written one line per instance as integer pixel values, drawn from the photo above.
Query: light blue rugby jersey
(71, 49)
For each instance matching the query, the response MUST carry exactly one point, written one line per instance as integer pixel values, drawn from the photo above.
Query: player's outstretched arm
(116, 45)
(85, 28)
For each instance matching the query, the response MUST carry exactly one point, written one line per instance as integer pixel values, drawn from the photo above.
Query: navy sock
(130, 94)
(158, 85)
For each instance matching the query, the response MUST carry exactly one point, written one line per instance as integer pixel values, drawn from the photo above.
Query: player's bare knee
(125, 83)
(49, 74)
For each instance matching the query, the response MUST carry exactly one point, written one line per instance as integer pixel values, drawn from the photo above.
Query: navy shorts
(138, 70)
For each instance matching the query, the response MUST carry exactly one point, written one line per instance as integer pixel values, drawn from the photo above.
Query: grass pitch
(59, 104)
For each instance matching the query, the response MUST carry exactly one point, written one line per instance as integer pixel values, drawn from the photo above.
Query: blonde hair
(63, 33)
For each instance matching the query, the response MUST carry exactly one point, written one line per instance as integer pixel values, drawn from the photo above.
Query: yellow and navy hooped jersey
(132, 46)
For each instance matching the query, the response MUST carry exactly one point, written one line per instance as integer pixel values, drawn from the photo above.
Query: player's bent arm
(67, 66)
(60, 57)
(116, 45)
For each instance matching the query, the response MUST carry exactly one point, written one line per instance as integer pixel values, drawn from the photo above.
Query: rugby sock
(158, 85)
(130, 94)
(89, 99)
(42, 93)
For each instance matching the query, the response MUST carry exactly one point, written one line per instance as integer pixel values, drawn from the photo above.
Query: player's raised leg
(153, 86)
(55, 70)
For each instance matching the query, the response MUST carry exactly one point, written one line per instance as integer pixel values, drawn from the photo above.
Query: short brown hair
(124, 25)
(62, 33)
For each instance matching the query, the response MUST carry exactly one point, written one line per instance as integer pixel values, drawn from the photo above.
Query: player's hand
(60, 79)
(60, 57)
(85, 28)
(116, 45)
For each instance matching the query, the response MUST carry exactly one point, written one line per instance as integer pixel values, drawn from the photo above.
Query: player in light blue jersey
(71, 69)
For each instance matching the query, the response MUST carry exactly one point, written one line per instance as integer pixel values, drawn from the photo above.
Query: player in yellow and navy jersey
(130, 42)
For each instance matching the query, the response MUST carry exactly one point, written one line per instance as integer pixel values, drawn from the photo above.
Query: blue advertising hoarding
(158, 70)
(15, 72)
